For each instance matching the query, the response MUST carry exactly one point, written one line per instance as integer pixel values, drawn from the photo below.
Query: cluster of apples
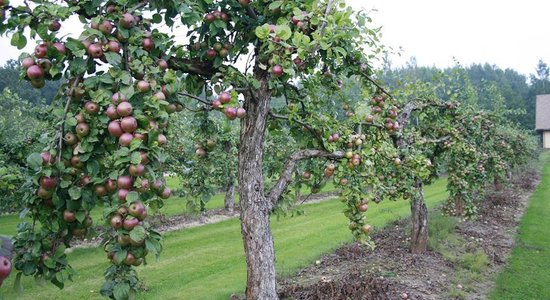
(230, 112)
(37, 66)
(124, 220)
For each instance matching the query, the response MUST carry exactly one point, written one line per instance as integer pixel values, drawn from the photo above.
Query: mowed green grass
(208, 262)
(527, 273)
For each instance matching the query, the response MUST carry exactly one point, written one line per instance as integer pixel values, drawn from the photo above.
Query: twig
(65, 112)
(194, 97)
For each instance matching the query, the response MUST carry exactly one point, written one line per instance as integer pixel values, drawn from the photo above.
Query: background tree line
(518, 92)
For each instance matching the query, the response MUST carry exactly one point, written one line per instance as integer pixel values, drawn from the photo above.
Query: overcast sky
(510, 34)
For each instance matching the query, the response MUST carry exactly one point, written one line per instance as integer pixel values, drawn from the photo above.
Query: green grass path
(207, 262)
(527, 273)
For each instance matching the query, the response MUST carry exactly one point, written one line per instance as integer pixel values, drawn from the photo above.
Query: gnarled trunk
(419, 216)
(255, 208)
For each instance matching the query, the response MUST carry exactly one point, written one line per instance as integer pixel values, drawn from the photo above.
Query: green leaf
(34, 161)
(121, 291)
(120, 256)
(138, 233)
(262, 32)
(132, 196)
(75, 192)
(93, 168)
(136, 158)
(283, 31)
(113, 58)
(19, 40)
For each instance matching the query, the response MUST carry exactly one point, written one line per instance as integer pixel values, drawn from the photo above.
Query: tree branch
(194, 97)
(288, 169)
(195, 67)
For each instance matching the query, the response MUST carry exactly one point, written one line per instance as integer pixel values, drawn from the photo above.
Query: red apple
(41, 50)
(241, 112)
(113, 46)
(121, 195)
(277, 70)
(136, 170)
(125, 139)
(60, 47)
(161, 139)
(35, 72)
(46, 158)
(230, 113)
(128, 124)
(5, 268)
(91, 107)
(127, 21)
(143, 86)
(125, 182)
(69, 216)
(95, 50)
(163, 65)
(225, 97)
(115, 129)
(27, 62)
(166, 193)
(116, 221)
(54, 26)
(148, 44)
(111, 112)
(48, 182)
(106, 27)
(124, 109)
(119, 97)
(110, 185)
(130, 223)
(211, 53)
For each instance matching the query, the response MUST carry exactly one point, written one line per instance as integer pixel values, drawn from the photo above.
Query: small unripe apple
(82, 129)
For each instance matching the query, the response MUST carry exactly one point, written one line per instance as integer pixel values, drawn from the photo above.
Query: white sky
(510, 34)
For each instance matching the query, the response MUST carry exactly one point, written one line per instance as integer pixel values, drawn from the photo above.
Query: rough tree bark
(255, 207)
(419, 216)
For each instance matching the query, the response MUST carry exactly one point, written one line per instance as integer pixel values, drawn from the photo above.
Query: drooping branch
(306, 126)
(286, 174)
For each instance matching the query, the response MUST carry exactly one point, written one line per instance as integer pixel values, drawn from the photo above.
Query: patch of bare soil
(390, 271)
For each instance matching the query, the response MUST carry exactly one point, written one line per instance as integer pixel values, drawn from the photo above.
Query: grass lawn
(207, 262)
(527, 273)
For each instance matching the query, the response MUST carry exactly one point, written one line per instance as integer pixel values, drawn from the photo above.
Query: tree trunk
(459, 206)
(419, 216)
(498, 183)
(229, 200)
(255, 208)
